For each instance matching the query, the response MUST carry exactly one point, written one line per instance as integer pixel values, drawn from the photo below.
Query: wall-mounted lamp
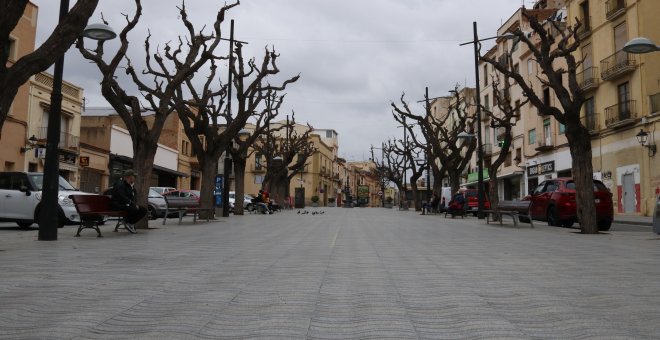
(31, 143)
(642, 138)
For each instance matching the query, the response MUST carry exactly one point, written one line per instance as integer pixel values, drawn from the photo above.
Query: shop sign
(84, 161)
(540, 169)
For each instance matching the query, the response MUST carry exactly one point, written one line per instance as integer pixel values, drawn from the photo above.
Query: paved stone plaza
(345, 274)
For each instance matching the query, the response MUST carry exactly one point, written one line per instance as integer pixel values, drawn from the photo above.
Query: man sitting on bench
(123, 198)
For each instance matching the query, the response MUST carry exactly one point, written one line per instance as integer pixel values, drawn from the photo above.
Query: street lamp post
(480, 157)
(49, 215)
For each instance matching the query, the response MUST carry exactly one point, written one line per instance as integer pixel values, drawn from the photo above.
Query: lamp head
(243, 135)
(640, 45)
(642, 137)
(465, 135)
(99, 32)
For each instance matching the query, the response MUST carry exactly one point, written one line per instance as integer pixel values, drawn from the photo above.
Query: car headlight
(65, 201)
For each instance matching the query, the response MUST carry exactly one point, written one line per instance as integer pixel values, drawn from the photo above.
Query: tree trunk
(143, 160)
(239, 174)
(493, 196)
(415, 193)
(209, 167)
(580, 146)
(455, 182)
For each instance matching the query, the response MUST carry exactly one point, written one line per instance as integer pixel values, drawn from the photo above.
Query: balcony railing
(67, 140)
(588, 79)
(620, 114)
(615, 8)
(590, 121)
(544, 144)
(617, 64)
(585, 29)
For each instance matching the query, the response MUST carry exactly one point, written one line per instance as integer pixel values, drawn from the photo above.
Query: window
(518, 158)
(530, 66)
(516, 116)
(546, 96)
(620, 36)
(328, 134)
(487, 102)
(590, 115)
(562, 129)
(258, 162)
(9, 50)
(258, 179)
(547, 132)
(531, 136)
(486, 75)
(584, 7)
(587, 56)
(516, 68)
(623, 91)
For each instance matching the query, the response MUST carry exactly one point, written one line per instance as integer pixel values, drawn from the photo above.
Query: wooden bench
(515, 209)
(183, 205)
(92, 208)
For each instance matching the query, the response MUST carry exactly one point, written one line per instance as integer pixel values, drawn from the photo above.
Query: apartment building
(623, 97)
(15, 137)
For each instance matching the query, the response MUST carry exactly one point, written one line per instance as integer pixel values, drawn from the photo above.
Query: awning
(472, 177)
(155, 167)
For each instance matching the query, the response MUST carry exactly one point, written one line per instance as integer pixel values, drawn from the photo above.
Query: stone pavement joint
(347, 274)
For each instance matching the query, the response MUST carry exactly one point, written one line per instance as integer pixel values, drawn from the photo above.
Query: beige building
(15, 128)
(623, 99)
(623, 92)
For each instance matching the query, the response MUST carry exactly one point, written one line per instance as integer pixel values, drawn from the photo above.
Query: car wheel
(552, 217)
(24, 225)
(604, 225)
(567, 224)
(249, 207)
(152, 213)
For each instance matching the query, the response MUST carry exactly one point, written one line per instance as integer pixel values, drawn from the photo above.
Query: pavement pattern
(345, 274)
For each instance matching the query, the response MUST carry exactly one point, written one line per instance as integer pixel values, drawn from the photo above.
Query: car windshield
(471, 193)
(38, 180)
(154, 193)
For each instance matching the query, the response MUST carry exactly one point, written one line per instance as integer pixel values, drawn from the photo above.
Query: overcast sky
(354, 56)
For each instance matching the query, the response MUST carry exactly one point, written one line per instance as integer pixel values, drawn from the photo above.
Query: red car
(473, 201)
(554, 201)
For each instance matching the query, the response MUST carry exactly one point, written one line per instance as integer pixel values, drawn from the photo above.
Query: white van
(21, 198)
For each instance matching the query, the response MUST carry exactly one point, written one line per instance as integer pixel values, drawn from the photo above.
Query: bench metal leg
(120, 222)
(89, 224)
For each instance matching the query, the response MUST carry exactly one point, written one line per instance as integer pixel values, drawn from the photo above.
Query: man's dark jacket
(123, 195)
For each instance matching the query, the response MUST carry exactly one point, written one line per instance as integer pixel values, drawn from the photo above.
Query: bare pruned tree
(440, 134)
(245, 149)
(168, 69)
(410, 153)
(295, 149)
(13, 74)
(504, 120)
(554, 46)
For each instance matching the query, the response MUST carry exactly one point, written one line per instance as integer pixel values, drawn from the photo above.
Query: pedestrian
(124, 198)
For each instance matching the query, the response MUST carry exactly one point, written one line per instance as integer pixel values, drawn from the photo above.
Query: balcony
(585, 30)
(618, 64)
(615, 8)
(620, 115)
(503, 60)
(544, 144)
(67, 141)
(588, 79)
(590, 121)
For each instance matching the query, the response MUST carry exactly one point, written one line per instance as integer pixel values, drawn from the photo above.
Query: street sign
(380, 193)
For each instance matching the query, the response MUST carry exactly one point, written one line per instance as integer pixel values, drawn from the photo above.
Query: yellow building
(623, 97)
(15, 128)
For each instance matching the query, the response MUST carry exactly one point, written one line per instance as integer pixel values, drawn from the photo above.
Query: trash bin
(656, 216)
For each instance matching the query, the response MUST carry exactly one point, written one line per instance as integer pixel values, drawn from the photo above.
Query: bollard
(656, 216)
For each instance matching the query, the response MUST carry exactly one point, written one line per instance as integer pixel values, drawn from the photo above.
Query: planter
(331, 204)
(389, 205)
(315, 204)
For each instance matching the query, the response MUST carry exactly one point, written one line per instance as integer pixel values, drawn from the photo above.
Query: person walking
(123, 197)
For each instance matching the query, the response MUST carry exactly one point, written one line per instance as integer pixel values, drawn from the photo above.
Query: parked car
(21, 199)
(471, 196)
(554, 201)
(247, 201)
(184, 193)
(162, 190)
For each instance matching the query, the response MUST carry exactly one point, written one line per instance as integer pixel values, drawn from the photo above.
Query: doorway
(628, 193)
